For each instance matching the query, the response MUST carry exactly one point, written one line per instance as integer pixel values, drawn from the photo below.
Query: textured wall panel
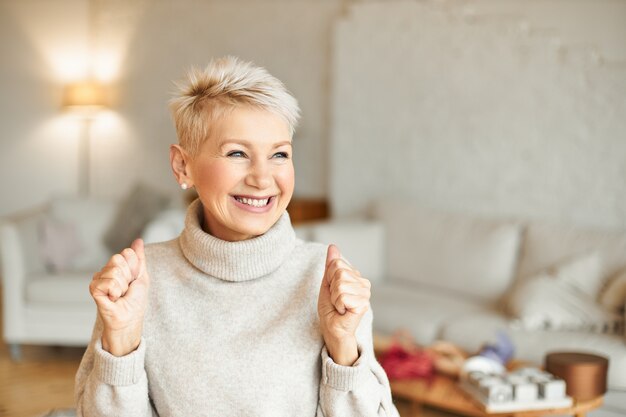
(461, 110)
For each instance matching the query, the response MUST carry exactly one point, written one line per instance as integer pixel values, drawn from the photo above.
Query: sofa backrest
(545, 245)
(473, 256)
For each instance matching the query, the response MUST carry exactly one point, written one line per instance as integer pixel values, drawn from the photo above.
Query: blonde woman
(236, 316)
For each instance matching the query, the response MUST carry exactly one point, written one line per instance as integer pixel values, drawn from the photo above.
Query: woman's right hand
(120, 291)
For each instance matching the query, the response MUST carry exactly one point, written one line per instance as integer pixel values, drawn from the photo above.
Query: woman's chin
(256, 227)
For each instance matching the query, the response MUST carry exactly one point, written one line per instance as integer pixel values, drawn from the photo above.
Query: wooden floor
(43, 380)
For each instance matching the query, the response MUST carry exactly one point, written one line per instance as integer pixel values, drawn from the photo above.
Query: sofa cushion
(472, 256)
(91, 217)
(360, 242)
(69, 288)
(420, 310)
(470, 332)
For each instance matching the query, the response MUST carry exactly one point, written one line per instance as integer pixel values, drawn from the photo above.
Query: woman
(236, 316)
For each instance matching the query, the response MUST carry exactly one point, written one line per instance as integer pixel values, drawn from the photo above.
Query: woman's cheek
(286, 179)
(220, 176)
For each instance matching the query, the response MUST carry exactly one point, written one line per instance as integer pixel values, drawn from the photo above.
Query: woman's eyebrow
(247, 143)
(235, 141)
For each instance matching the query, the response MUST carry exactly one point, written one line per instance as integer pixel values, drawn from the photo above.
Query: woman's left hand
(343, 300)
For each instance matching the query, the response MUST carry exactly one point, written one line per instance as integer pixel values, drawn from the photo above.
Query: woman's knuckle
(117, 259)
(343, 274)
(105, 275)
(113, 272)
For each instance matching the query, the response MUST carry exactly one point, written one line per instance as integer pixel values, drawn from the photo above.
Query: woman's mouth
(254, 205)
(253, 202)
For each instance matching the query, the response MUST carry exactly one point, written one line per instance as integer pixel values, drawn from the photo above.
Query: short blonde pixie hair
(228, 82)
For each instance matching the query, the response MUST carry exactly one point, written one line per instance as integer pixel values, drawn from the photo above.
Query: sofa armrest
(361, 242)
(13, 271)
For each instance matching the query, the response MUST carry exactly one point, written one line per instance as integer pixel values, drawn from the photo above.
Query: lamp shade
(84, 95)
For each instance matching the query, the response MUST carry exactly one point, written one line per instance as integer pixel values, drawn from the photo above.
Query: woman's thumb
(138, 247)
(333, 253)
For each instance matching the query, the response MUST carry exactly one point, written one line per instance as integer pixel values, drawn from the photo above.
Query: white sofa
(48, 256)
(41, 306)
(451, 276)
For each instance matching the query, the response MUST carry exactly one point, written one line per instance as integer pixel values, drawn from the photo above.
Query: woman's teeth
(253, 202)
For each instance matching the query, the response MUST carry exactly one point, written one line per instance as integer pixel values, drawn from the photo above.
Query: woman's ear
(179, 160)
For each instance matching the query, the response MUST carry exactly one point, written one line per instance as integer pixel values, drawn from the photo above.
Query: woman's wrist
(343, 351)
(120, 343)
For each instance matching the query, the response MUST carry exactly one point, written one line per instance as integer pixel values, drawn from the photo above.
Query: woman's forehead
(250, 127)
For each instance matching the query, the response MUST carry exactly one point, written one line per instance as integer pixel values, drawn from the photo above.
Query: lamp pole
(86, 98)
(84, 177)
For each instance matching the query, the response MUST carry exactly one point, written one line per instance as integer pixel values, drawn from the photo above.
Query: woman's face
(244, 174)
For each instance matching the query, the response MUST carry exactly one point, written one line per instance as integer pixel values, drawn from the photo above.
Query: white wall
(503, 108)
(477, 105)
(141, 46)
(37, 147)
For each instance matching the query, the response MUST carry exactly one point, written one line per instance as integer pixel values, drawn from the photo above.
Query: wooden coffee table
(445, 394)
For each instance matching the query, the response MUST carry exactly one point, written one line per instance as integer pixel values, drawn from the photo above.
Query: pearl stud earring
(184, 186)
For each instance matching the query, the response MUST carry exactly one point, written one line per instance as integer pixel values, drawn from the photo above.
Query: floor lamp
(84, 98)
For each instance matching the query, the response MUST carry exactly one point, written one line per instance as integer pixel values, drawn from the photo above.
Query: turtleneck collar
(235, 261)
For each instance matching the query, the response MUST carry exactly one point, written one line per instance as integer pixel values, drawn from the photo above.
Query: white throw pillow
(583, 273)
(91, 217)
(561, 298)
(59, 244)
(613, 296)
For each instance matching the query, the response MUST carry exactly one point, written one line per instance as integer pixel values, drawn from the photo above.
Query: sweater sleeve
(359, 390)
(107, 385)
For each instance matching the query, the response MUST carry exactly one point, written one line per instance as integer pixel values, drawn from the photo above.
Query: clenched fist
(344, 299)
(120, 291)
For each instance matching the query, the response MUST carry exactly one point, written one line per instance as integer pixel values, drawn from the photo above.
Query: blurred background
(492, 108)
(499, 106)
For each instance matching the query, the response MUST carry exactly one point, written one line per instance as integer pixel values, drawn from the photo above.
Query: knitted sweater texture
(231, 330)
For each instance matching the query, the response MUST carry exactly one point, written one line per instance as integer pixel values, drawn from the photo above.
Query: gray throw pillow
(134, 213)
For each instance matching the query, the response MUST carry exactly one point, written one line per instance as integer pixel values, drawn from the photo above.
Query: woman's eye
(282, 155)
(237, 154)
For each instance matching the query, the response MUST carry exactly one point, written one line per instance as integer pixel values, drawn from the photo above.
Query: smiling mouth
(253, 201)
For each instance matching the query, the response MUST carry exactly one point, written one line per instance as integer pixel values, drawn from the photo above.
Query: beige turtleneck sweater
(232, 330)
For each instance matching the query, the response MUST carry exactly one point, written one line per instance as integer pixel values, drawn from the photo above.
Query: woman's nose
(260, 175)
